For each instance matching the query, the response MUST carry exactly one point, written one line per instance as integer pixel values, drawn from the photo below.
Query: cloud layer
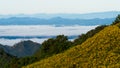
(39, 30)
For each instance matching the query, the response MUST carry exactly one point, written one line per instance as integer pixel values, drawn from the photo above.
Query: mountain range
(57, 21)
(60, 19)
(100, 15)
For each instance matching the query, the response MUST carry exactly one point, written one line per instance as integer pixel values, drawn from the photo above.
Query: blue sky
(57, 6)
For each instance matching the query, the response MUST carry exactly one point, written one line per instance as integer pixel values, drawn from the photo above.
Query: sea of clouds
(39, 30)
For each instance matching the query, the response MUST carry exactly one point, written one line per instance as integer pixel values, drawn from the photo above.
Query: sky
(57, 6)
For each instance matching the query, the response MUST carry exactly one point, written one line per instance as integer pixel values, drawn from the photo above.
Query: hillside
(5, 59)
(100, 51)
(22, 49)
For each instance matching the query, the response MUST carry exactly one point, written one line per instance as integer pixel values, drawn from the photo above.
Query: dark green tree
(54, 46)
(117, 20)
(89, 34)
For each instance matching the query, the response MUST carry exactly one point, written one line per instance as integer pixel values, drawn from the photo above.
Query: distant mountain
(101, 15)
(53, 21)
(22, 49)
(59, 19)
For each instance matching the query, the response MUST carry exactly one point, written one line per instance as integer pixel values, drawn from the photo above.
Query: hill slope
(102, 50)
(5, 59)
(22, 49)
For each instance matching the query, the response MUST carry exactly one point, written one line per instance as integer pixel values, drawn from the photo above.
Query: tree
(89, 34)
(117, 20)
(54, 46)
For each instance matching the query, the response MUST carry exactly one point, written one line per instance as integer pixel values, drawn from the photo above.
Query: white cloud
(42, 30)
(39, 30)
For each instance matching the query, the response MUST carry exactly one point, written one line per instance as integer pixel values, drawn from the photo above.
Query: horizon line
(60, 13)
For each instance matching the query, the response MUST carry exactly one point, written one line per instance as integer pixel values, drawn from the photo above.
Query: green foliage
(19, 62)
(53, 46)
(5, 58)
(117, 20)
(99, 51)
(89, 34)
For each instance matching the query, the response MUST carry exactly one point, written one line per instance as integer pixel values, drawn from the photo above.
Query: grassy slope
(100, 51)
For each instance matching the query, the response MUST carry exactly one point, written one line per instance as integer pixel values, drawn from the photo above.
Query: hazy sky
(57, 6)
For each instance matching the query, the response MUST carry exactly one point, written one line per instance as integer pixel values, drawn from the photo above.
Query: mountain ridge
(22, 49)
(54, 21)
(101, 15)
